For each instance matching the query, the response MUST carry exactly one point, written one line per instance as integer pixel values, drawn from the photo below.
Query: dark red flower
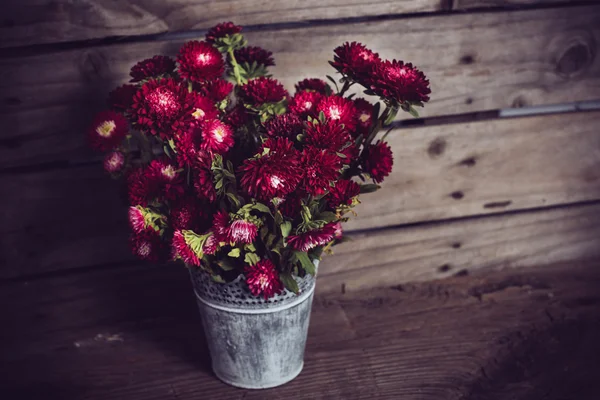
(274, 174)
(148, 245)
(211, 245)
(237, 116)
(217, 90)
(152, 68)
(351, 152)
(188, 213)
(160, 104)
(142, 189)
(400, 82)
(342, 193)
(220, 225)
(203, 177)
(199, 62)
(263, 90)
(121, 98)
(378, 161)
(364, 116)
(169, 179)
(263, 278)
(311, 239)
(221, 30)
(114, 162)
(292, 204)
(241, 231)
(108, 130)
(217, 137)
(330, 135)
(285, 125)
(181, 249)
(204, 108)
(137, 222)
(305, 103)
(355, 61)
(341, 110)
(254, 54)
(320, 168)
(314, 85)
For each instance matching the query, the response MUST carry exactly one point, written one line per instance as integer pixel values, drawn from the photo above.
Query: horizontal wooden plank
(108, 335)
(547, 56)
(42, 21)
(75, 217)
(470, 4)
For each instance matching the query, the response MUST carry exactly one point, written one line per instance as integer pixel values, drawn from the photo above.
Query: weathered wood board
(42, 21)
(547, 56)
(136, 334)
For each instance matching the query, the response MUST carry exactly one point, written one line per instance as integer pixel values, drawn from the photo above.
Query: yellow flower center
(364, 117)
(219, 134)
(168, 171)
(106, 128)
(198, 114)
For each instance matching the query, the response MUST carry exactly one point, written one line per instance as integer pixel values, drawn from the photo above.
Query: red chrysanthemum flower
(351, 152)
(320, 168)
(292, 204)
(263, 278)
(254, 54)
(355, 61)
(237, 116)
(169, 180)
(378, 161)
(137, 222)
(159, 104)
(263, 90)
(341, 110)
(199, 62)
(221, 30)
(241, 231)
(108, 130)
(217, 90)
(400, 82)
(217, 136)
(152, 68)
(364, 115)
(211, 245)
(187, 145)
(204, 108)
(114, 162)
(142, 190)
(285, 125)
(188, 213)
(342, 193)
(274, 174)
(313, 85)
(305, 103)
(220, 225)
(148, 245)
(181, 249)
(330, 135)
(311, 239)
(121, 98)
(203, 177)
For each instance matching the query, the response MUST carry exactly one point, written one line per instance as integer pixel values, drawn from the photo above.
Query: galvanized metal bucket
(254, 343)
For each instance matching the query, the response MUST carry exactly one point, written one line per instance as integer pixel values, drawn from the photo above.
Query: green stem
(236, 67)
(378, 126)
(346, 86)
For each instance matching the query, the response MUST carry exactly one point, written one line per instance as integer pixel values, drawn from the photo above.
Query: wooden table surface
(134, 333)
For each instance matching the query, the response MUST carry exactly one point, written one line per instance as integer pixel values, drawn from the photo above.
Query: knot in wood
(574, 54)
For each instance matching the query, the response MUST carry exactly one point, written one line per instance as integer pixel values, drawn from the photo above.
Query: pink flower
(136, 219)
(241, 231)
(311, 239)
(263, 278)
(114, 162)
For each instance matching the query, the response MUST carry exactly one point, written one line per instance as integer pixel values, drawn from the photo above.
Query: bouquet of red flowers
(228, 172)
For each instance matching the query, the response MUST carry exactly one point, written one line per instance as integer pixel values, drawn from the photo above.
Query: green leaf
(387, 133)
(289, 282)
(321, 117)
(234, 253)
(226, 264)
(286, 228)
(391, 116)
(251, 258)
(334, 82)
(327, 216)
(217, 278)
(250, 247)
(234, 199)
(369, 188)
(261, 207)
(269, 241)
(413, 112)
(305, 261)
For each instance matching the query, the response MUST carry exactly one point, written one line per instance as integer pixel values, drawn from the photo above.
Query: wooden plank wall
(469, 190)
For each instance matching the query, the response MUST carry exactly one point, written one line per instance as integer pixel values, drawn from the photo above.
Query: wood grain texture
(470, 4)
(547, 56)
(43, 21)
(109, 335)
